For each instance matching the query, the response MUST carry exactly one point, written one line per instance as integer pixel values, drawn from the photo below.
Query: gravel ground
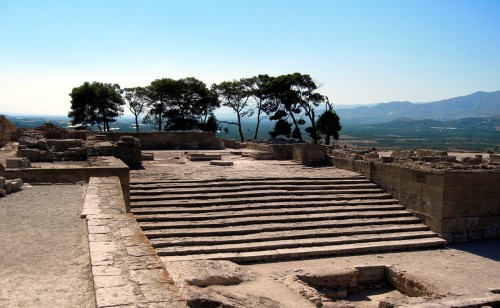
(44, 254)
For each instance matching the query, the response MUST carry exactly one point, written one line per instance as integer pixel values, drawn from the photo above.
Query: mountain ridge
(476, 105)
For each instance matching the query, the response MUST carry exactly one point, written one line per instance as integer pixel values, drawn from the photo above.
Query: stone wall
(101, 167)
(279, 151)
(170, 140)
(126, 269)
(459, 205)
(309, 154)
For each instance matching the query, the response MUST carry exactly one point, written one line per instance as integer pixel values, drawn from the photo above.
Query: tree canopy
(235, 95)
(96, 103)
(137, 100)
(291, 100)
(292, 96)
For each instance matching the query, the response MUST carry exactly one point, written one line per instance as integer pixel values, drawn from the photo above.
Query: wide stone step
(285, 235)
(305, 180)
(275, 183)
(264, 212)
(292, 243)
(197, 231)
(199, 190)
(242, 221)
(252, 194)
(187, 208)
(315, 251)
(246, 200)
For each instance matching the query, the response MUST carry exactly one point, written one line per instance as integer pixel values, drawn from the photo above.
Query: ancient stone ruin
(9, 186)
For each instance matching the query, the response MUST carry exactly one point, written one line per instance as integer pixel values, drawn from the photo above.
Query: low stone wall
(459, 205)
(170, 140)
(101, 167)
(126, 269)
(279, 151)
(310, 154)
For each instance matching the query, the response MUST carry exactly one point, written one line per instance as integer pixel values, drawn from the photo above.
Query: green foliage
(210, 125)
(290, 95)
(137, 100)
(96, 103)
(281, 128)
(236, 95)
(179, 104)
(329, 124)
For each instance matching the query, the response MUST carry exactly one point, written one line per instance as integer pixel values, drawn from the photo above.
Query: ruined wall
(460, 205)
(309, 154)
(170, 140)
(279, 151)
(102, 167)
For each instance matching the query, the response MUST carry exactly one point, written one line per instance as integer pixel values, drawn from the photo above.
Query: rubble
(10, 186)
(422, 160)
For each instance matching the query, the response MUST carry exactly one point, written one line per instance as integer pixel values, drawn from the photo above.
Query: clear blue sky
(360, 51)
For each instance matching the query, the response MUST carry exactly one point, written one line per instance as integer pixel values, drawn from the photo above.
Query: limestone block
(460, 237)
(8, 187)
(2, 182)
(128, 149)
(42, 144)
(31, 154)
(29, 142)
(17, 184)
(18, 163)
(475, 235)
(2, 167)
(2, 193)
(490, 234)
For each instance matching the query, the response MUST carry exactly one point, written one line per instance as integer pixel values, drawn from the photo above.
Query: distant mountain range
(476, 105)
(483, 124)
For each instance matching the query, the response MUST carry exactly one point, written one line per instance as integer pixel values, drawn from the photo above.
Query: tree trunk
(239, 127)
(136, 123)
(257, 129)
(296, 124)
(160, 114)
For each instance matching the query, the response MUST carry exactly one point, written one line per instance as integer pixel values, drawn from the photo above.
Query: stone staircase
(263, 219)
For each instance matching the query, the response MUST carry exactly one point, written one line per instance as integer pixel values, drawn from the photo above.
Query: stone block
(2, 167)
(309, 154)
(2, 193)
(18, 163)
(42, 144)
(490, 234)
(460, 237)
(8, 187)
(28, 142)
(2, 182)
(475, 235)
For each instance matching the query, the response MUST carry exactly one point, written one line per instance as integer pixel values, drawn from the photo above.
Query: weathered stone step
(251, 180)
(260, 213)
(246, 200)
(285, 235)
(197, 190)
(242, 221)
(293, 243)
(175, 184)
(252, 194)
(196, 231)
(187, 208)
(316, 251)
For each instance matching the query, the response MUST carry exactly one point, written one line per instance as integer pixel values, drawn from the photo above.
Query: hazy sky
(360, 51)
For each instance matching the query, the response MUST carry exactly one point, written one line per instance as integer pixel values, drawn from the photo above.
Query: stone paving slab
(127, 271)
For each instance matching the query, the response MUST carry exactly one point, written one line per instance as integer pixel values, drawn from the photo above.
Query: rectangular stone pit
(362, 284)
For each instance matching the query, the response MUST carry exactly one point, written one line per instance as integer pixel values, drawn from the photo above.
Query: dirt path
(44, 254)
